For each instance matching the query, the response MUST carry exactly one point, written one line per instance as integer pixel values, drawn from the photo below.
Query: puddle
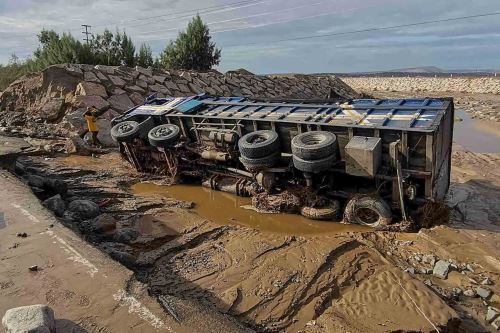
(225, 208)
(2, 220)
(476, 136)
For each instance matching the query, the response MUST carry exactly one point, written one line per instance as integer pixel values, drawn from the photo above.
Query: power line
(86, 32)
(367, 30)
(203, 10)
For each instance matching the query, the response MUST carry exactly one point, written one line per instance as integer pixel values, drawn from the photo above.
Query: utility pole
(86, 32)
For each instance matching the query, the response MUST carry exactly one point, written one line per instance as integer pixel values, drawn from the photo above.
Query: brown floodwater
(475, 135)
(225, 208)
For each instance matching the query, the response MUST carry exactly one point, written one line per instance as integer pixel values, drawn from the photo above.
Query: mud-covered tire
(314, 145)
(125, 131)
(370, 211)
(259, 144)
(261, 162)
(328, 212)
(315, 166)
(163, 135)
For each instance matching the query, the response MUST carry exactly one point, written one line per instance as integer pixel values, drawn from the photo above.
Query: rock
(158, 88)
(125, 235)
(22, 234)
(91, 77)
(52, 110)
(55, 204)
(104, 223)
(159, 78)
(104, 134)
(135, 89)
(124, 258)
(487, 281)
(496, 324)
(144, 71)
(33, 268)
(56, 186)
(456, 291)
(84, 101)
(469, 268)
(121, 102)
(483, 292)
(37, 318)
(136, 98)
(91, 89)
(410, 270)
(492, 314)
(441, 269)
(117, 81)
(83, 210)
(77, 120)
(470, 293)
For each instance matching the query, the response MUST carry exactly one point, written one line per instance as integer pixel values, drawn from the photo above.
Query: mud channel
(227, 209)
(474, 135)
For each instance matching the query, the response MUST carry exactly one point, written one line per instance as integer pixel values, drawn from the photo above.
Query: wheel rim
(256, 139)
(162, 132)
(125, 128)
(367, 216)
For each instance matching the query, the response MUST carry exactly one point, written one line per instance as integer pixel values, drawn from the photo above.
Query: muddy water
(225, 208)
(476, 136)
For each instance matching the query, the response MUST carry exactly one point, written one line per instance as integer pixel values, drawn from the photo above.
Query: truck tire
(314, 145)
(328, 212)
(369, 211)
(261, 162)
(315, 166)
(259, 144)
(163, 135)
(125, 131)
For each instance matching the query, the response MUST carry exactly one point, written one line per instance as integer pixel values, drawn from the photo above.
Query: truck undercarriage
(375, 161)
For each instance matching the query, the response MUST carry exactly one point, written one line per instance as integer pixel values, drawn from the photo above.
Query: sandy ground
(251, 277)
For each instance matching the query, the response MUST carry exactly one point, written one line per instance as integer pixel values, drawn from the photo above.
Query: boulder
(125, 235)
(91, 89)
(83, 209)
(135, 89)
(158, 88)
(52, 109)
(121, 102)
(159, 78)
(104, 223)
(91, 77)
(117, 81)
(483, 292)
(144, 71)
(492, 314)
(55, 204)
(84, 101)
(77, 120)
(37, 318)
(104, 134)
(441, 269)
(136, 98)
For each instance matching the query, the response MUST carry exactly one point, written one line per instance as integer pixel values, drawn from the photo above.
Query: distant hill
(423, 69)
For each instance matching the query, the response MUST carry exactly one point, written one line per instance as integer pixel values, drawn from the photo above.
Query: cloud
(467, 43)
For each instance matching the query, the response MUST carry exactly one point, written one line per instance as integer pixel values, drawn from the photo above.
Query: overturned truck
(376, 161)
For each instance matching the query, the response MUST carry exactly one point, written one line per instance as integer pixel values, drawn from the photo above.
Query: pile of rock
(475, 85)
(52, 102)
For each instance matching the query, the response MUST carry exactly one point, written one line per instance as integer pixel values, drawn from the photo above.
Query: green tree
(145, 56)
(192, 49)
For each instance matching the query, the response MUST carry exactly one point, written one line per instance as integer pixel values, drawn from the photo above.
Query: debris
(33, 318)
(166, 306)
(469, 268)
(456, 291)
(483, 292)
(22, 234)
(470, 293)
(441, 269)
(492, 314)
(487, 281)
(33, 268)
(410, 270)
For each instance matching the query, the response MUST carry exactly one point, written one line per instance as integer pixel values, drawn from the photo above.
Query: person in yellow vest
(91, 118)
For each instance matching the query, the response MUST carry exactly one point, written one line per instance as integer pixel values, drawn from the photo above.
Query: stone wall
(476, 85)
(51, 103)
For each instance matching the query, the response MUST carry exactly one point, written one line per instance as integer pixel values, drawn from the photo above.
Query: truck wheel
(314, 145)
(369, 211)
(259, 144)
(261, 162)
(328, 212)
(163, 135)
(313, 166)
(125, 131)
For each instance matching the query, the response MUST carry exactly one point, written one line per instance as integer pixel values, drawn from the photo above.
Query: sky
(248, 31)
